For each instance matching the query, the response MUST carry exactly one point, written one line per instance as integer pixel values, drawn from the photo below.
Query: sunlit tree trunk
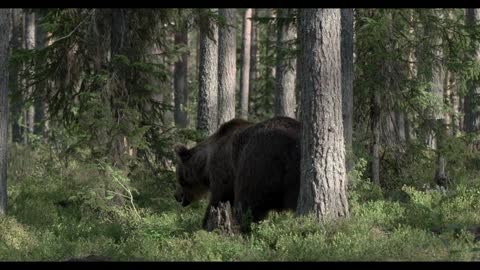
(285, 101)
(208, 74)
(30, 45)
(227, 66)
(245, 71)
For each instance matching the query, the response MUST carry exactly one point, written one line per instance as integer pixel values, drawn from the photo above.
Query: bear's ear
(182, 152)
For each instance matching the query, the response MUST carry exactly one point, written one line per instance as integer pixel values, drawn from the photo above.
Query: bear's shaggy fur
(254, 166)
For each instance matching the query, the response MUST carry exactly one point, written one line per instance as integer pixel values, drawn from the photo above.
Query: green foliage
(58, 212)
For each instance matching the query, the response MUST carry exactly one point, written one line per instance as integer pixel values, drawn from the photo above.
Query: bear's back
(279, 127)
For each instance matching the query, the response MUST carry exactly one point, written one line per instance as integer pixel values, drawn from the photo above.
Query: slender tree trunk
(253, 56)
(30, 45)
(455, 100)
(208, 74)
(14, 78)
(40, 104)
(244, 80)
(269, 53)
(439, 119)
(5, 35)
(285, 101)
(323, 177)
(412, 75)
(472, 99)
(227, 66)
(118, 45)
(180, 79)
(347, 82)
(299, 77)
(376, 118)
(400, 128)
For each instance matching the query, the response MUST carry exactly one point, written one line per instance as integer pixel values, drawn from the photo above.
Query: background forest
(97, 99)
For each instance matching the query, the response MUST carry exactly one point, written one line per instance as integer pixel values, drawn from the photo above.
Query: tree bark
(244, 80)
(285, 101)
(117, 47)
(472, 99)
(253, 56)
(323, 177)
(30, 45)
(438, 116)
(40, 104)
(376, 118)
(221, 218)
(347, 82)
(180, 79)
(227, 66)
(208, 74)
(14, 79)
(5, 35)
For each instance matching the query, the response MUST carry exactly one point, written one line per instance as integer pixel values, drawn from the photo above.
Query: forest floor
(59, 212)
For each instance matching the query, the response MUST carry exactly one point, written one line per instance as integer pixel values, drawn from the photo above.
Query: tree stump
(221, 218)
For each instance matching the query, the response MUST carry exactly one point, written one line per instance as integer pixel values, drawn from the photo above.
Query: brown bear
(254, 166)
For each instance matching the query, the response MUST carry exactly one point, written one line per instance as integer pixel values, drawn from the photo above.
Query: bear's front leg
(205, 217)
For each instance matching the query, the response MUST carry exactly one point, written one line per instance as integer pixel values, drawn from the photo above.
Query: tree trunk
(253, 56)
(30, 45)
(323, 177)
(227, 66)
(472, 99)
(208, 73)
(5, 35)
(40, 104)
(244, 80)
(285, 101)
(347, 82)
(438, 116)
(180, 79)
(16, 101)
(119, 92)
(299, 78)
(400, 126)
(376, 118)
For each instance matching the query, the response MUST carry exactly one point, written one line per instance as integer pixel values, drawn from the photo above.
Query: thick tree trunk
(246, 49)
(5, 35)
(30, 45)
(208, 74)
(323, 177)
(347, 82)
(180, 80)
(285, 101)
(472, 99)
(227, 66)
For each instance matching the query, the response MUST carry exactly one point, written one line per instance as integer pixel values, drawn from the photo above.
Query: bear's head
(192, 180)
